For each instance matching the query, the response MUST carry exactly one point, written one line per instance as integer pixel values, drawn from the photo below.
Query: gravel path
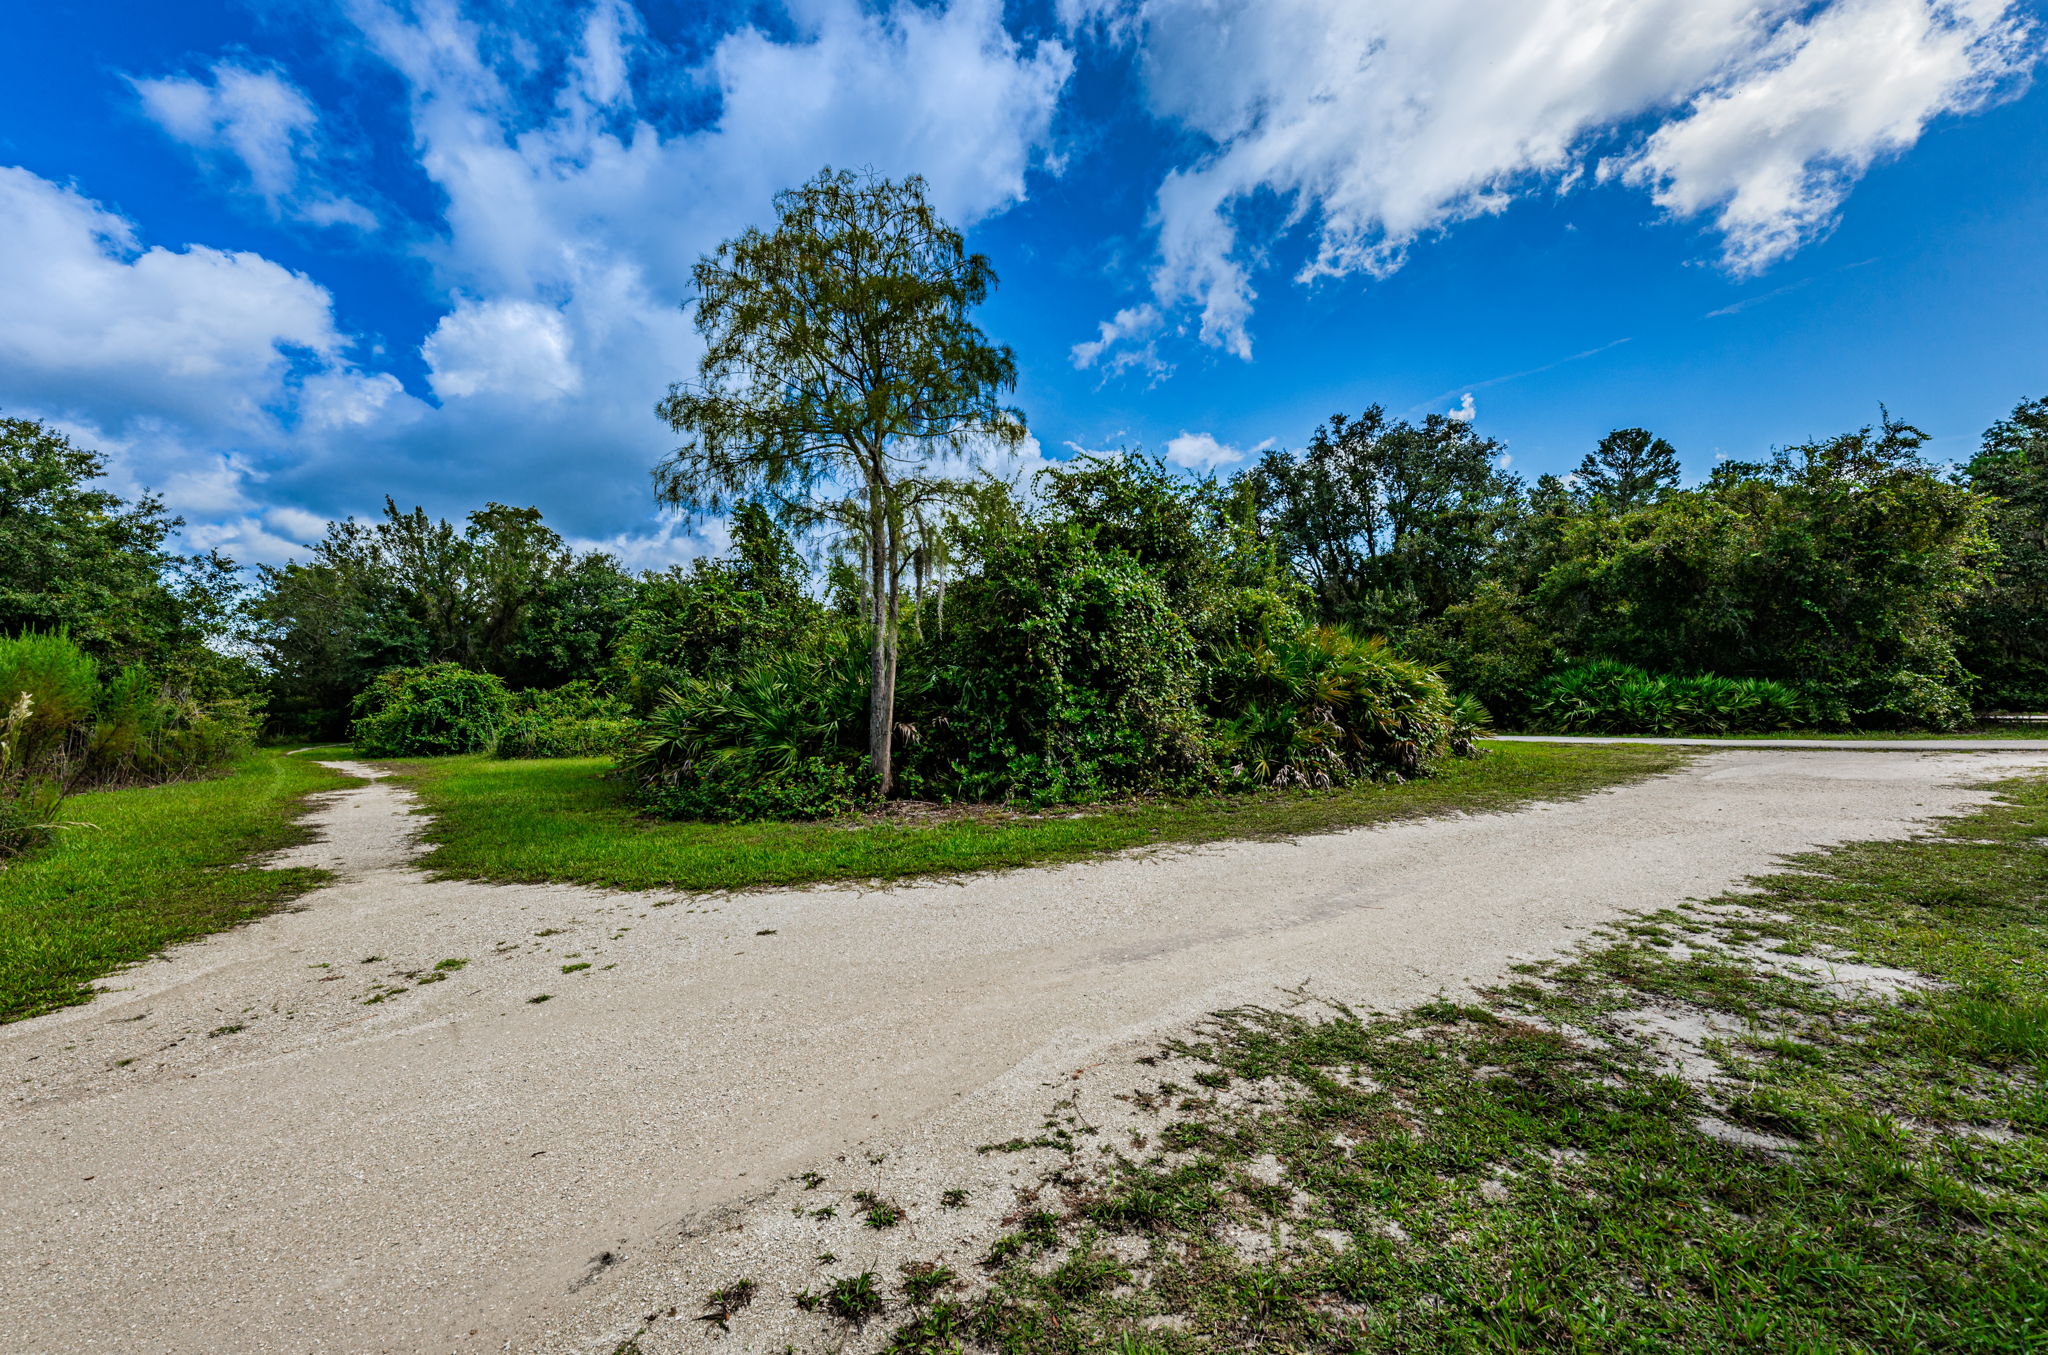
(1987, 744)
(239, 1147)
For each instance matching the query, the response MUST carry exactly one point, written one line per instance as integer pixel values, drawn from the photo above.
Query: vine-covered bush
(427, 712)
(1604, 697)
(1064, 674)
(573, 720)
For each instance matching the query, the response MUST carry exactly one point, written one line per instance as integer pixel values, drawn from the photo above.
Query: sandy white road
(437, 1171)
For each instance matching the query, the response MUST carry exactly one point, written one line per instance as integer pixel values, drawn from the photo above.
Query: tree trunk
(894, 624)
(881, 669)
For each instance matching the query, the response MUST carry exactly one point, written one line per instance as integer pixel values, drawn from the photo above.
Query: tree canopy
(2006, 631)
(1631, 467)
(1389, 521)
(76, 557)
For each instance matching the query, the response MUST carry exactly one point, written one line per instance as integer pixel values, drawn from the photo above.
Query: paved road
(239, 1149)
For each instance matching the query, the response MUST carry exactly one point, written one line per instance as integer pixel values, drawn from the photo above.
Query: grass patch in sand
(157, 865)
(560, 819)
(1809, 1118)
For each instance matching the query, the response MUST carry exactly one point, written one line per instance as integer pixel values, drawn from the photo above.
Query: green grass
(156, 866)
(559, 819)
(1525, 1172)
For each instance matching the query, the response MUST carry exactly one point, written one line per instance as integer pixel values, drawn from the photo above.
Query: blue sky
(280, 260)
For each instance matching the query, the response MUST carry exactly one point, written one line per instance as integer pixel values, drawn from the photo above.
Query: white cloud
(94, 321)
(1466, 411)
(667, 543)
(572, 216)
(1376, 122)
(296, 524)
(193, 370)
(261, 121)
(1120, 338)
(1773, 149)
(515, 349)
(1202, 452)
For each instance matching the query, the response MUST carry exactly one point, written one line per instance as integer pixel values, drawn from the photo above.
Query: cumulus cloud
(1465, 411)
(515, 349)
(212, 340)
(1202, 452)
(188, 368)
(1375, 122)
(262, 123)
(573, 213)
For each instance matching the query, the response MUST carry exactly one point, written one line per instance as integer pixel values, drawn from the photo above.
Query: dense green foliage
(426, 712)
(575, 719)
(76, 558)
(1605, 697)
(778, 737)
(1839, 568)
(70, 723)
(1389, 522)
(502, 594)
(1320, 707)
(2005, 632)
(1126, 632)
(113, 648)
(717, 614)
(1064, 673)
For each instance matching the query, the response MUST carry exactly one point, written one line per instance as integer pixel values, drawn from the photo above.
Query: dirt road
(276, 1140)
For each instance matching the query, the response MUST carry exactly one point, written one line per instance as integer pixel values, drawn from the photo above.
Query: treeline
(1127, 631)
(1116, 629)
(116, 662)
(1875, 587)
(1122, 628)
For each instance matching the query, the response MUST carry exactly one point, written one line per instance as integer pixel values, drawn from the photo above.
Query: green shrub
(1065, 674)
(62, 685)
(808, 788)
(144, 731)
(1322, 707)
(1470, 722)
(428, 712)
(573, 720)
(781, 738)
(1488, 648)
(65, 731)
(1839, 567)
(1605, 697)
